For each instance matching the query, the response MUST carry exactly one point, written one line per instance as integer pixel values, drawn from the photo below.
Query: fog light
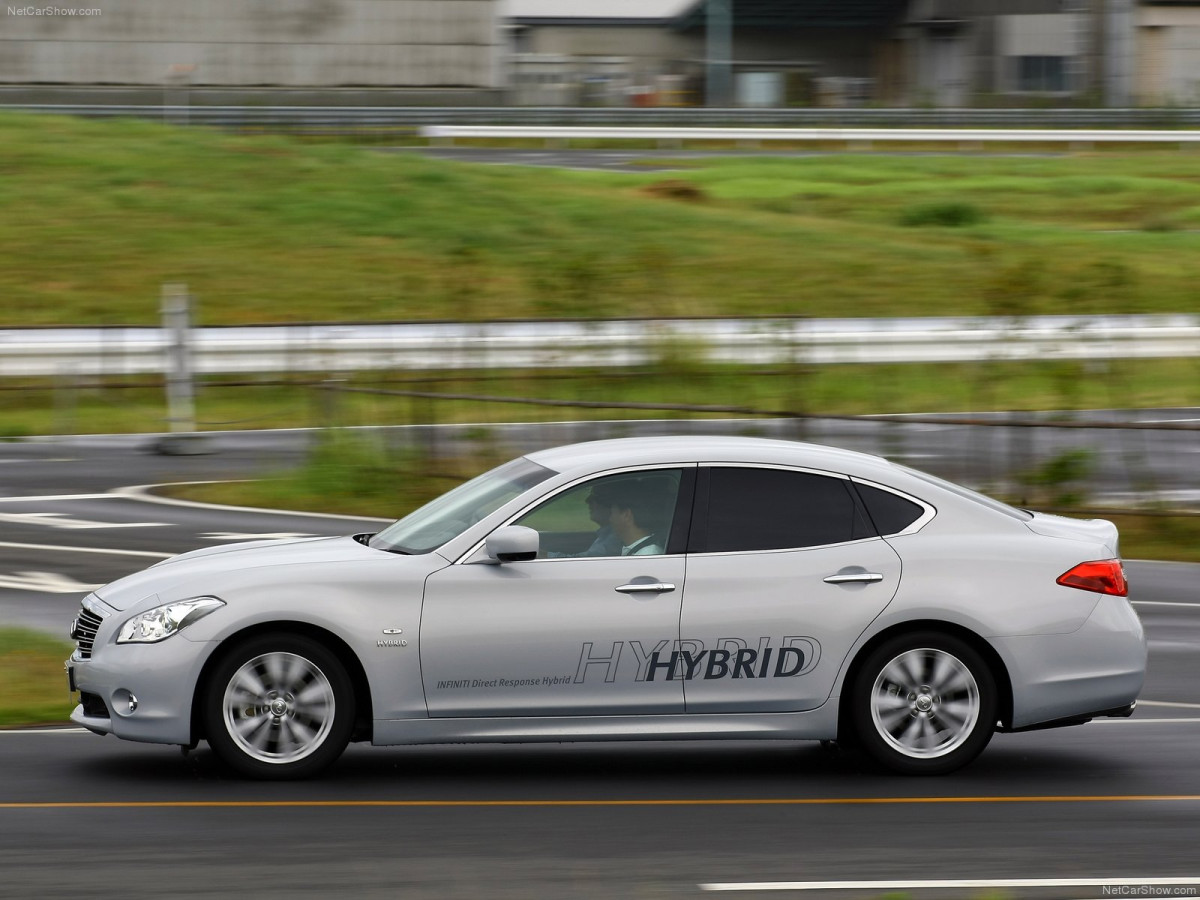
(124, 703)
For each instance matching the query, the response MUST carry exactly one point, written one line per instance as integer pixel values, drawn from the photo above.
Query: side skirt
(813, 724)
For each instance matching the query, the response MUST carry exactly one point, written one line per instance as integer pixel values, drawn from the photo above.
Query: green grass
(96, 216)
(33, 684)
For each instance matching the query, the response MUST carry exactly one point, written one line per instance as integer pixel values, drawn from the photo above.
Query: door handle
(854, 578)
(645, 587)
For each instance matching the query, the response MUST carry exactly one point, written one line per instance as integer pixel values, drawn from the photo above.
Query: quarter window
(776, 509)
(890, 514)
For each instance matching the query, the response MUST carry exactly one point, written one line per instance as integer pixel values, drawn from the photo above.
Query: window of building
(1040, 74)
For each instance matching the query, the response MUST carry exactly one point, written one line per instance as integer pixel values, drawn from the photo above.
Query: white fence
(559, 344)
(963, 137)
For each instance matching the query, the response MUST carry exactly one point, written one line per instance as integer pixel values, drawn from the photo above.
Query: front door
(576, 631)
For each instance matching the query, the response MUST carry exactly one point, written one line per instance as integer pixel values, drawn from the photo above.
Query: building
(662, 52)
(422, 44)
(944, 53)
(1167, 52)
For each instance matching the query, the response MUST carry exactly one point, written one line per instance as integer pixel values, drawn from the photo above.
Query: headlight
(163, 621)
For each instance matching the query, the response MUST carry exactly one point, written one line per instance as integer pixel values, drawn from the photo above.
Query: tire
(278, 707)
(924, 704)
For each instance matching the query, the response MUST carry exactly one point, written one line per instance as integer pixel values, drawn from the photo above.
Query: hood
(1096, 531)
(199, 567)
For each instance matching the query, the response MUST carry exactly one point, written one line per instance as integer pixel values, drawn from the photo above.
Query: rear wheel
(279, 706)
(924, 704)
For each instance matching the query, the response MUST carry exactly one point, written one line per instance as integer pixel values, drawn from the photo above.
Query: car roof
(638, 451)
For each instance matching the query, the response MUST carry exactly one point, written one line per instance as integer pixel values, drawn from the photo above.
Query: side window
(776, 509)
(891, 514)
(618, 515)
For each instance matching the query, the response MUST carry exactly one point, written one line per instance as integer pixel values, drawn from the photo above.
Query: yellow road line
(768, 801)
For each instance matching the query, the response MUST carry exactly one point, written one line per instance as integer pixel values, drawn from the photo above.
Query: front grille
(83, 630)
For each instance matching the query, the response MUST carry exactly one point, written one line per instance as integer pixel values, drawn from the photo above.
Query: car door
(785, 571)
(574, 631)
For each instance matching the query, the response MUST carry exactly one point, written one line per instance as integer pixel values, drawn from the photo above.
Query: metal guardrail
(352, 118)
(961, 136)
(114, 351)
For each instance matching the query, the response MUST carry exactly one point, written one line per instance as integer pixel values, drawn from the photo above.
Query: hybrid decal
(689, 660)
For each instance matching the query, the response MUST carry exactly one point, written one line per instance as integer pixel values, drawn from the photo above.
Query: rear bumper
(1065, 679)
(1119, 712)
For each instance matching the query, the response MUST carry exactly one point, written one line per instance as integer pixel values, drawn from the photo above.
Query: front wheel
(924, 704)
(279, 707)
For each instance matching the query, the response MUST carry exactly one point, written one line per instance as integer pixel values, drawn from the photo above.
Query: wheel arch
(348, 658)
(1004, 700)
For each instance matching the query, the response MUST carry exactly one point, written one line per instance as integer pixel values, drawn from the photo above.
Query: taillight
(1104, 576)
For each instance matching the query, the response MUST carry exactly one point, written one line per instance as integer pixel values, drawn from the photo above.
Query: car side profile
(636, 589)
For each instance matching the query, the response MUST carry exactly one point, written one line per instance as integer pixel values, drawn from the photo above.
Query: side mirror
(513, 543)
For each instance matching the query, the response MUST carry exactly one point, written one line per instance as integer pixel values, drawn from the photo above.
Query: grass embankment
(95, 216)
(33, 685)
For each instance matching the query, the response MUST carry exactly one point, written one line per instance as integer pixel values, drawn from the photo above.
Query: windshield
(451, 514)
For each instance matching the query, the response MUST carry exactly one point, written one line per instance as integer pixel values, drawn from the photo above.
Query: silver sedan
(648, 588)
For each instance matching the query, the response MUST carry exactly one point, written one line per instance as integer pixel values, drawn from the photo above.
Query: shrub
(941, 214)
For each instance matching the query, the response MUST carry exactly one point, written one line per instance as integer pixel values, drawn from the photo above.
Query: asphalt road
(1115, 800)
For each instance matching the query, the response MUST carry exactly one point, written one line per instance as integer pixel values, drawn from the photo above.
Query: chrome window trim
(805, 549)
(780, 466)
(930, 511)
(545, 498)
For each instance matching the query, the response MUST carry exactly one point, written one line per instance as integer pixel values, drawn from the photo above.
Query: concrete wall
(1168, 56)
(286, 43)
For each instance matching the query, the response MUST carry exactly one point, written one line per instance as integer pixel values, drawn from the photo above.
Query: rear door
(784, 572)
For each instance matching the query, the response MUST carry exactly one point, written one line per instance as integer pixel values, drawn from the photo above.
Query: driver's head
(600, 506)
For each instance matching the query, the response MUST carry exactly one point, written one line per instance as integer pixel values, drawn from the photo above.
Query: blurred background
(228, 216)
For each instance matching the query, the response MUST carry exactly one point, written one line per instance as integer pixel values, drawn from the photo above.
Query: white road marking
(1135, 721)
(965, 884)
(112, 551)
(44, 497)
(252, 536)
(45, 583)
(142, 492)
(31, 459)
(63, 730)
(1161, 603)
(1169, 704)
(61, 520)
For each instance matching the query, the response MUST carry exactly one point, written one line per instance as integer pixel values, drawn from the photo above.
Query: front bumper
(138, 692)
(1063, 679)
